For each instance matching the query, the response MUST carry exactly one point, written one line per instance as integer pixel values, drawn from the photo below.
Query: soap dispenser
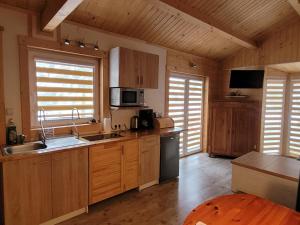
(11, 133)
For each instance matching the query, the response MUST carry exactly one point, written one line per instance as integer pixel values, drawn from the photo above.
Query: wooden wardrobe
(234, 127)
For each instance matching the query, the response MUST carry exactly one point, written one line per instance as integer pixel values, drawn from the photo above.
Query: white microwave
(122, 97)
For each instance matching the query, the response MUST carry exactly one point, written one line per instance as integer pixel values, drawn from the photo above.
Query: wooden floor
(201, 178)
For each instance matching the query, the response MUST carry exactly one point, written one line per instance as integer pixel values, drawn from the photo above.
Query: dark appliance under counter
(169, 156)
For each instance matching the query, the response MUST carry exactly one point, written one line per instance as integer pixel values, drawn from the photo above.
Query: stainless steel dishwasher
(169, 156)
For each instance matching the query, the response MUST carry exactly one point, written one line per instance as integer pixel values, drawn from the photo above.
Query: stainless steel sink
(99, 137)
(26, 148)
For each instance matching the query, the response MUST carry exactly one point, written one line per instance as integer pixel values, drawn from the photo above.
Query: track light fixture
(67, 41)
(81, 44)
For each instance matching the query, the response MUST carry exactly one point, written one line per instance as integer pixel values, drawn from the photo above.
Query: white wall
(153, 98)
(15, 23)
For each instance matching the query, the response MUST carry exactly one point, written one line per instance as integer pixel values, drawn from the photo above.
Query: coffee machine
(146, 119)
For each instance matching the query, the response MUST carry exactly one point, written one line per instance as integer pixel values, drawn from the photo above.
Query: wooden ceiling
(146, 20)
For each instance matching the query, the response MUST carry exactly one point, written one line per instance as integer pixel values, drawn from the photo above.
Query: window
(293, 140)
(60, 87)
(185, 106)
(273, 114)
(281, 116)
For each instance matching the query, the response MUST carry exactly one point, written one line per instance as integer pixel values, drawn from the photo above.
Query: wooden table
(242, 209)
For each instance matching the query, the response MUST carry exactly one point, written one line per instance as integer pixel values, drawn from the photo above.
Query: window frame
(60, 58)
(25, 44)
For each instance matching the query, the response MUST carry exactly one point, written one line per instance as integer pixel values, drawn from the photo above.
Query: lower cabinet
(113, 169)
(27, 191)
(105, 171)
(44, 187)
(149, 160)
(69, 181)
(131, 165)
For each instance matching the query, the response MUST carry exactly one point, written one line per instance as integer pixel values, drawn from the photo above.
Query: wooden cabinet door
(69, 181)
(27, 191)
(105, 170)
(240, 132)
(131, 165)
(149, 160)
(220, 130)
(129, 74)
(244, 130)
(148, 67)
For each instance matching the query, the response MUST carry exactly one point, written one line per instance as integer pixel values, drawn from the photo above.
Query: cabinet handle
(142, 80)
(138, 80)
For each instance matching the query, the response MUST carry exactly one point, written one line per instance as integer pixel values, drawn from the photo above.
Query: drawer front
(105, 171)
(149, 142)
(131, 165)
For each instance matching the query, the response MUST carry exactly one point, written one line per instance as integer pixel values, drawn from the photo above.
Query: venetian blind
(274, 96)
(195, 106)
(177, 104)
(185, 107)
(62, 87)
(293, 145)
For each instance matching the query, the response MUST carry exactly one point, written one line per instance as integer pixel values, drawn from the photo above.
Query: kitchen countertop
(66, 143)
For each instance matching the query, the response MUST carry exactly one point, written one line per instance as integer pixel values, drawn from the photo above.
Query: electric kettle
(134, 123)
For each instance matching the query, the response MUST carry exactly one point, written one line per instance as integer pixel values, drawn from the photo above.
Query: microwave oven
(121, 97)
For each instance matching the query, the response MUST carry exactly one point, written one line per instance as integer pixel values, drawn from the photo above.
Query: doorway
(185, 107)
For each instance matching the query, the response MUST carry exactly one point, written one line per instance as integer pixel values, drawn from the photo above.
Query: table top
(276, 165)
(242, 209)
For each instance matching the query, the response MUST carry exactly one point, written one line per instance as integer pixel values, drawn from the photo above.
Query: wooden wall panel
(281, 47)
(2, 103)
(180, 62)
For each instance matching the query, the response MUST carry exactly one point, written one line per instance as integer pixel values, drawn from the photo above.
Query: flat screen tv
(246, 79)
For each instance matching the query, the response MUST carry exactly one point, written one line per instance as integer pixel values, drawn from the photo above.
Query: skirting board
(274, 188)
(66, 217)
(148, 185)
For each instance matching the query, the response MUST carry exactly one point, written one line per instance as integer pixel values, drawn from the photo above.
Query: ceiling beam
(194, 16)
(56, 11)
(296, 5)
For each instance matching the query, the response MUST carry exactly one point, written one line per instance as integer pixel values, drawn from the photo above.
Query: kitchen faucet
(42, 119)
(73, 121)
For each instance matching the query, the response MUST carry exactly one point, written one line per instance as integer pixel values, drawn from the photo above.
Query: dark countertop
(55, 146)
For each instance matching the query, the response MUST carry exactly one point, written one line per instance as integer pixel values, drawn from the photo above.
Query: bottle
(11, 133)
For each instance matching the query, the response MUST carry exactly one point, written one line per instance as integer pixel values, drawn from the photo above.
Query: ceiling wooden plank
(296, 5)
(56, 12)
(192, 15)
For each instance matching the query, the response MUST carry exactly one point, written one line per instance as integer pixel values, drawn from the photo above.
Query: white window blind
(186, 108)
(177, 104)
(195, 106)
(274, 96)
(293, 146)
(61, 87)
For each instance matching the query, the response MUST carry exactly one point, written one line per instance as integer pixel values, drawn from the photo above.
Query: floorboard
(200, 178)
